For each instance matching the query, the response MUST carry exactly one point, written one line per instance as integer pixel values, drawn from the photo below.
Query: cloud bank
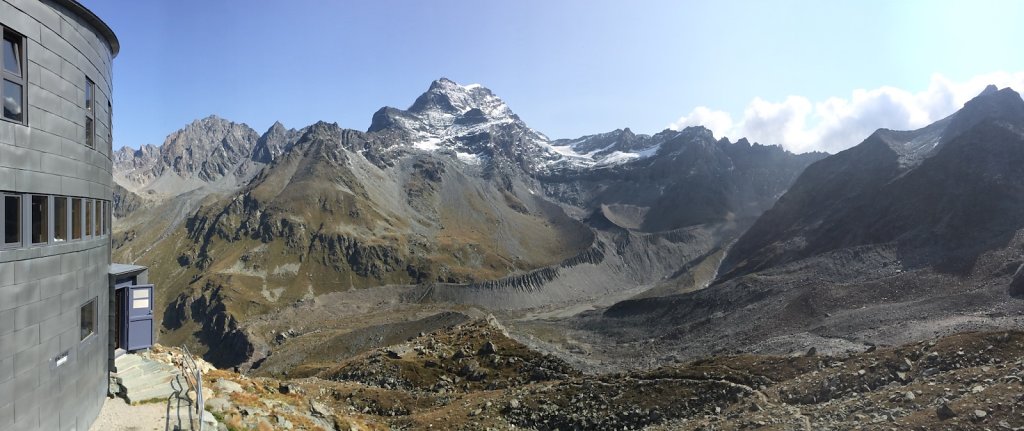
(835, 124)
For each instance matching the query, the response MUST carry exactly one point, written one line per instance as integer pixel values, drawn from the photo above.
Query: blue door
(140, 317)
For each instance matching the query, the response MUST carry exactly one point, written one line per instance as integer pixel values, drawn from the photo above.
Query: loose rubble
(473, 377)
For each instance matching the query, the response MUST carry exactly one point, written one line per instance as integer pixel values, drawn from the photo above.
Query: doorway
(120, 312)
(119, 318)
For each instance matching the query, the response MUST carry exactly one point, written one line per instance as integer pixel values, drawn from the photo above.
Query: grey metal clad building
(55, 193)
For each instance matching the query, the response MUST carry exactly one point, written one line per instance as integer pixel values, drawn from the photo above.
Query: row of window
(35, 220)
(14, 90)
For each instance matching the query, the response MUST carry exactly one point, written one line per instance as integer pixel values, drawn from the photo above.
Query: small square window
(88, 319)
(12, 220)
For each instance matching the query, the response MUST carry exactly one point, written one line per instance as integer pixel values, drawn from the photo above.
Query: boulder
(217, 405)
(227, 386)
(489, 349)
(944, 412)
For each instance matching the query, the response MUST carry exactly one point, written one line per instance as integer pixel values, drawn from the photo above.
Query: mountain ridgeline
(455, 197)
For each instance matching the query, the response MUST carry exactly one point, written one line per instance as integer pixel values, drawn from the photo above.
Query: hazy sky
(804, 74)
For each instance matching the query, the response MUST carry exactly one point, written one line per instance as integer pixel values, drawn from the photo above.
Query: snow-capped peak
(472, 122)
(445, 100)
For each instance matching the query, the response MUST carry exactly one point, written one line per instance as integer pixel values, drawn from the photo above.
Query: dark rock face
(125, 201)
(208, 149)
(228, 346)
(274, 142)
(943, 204)
(693, 179)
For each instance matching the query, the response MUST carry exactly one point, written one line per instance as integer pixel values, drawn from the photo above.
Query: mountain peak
(1006, 98)
(441, 83)
(990, 104)
(446, 97)
(991, 88)
(445, 84)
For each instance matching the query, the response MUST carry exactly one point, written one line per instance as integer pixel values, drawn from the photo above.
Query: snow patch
(619, 157)
(472, 159)
(428, 144)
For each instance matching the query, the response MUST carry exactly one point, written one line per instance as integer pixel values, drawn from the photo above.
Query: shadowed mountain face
(454, 197)
(905, 236)
(943, 194)
(691, 179)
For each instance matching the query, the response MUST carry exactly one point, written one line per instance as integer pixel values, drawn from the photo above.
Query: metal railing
(194, 377)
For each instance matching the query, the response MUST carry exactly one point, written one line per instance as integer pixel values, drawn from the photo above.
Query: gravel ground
(117, 415)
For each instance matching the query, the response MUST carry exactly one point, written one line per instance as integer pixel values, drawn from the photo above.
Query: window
(76, 218)
(90, 211)
(110, 128)
(90, 113)
(88, 320)
(106, 217)
(40, 214)
(13, 91)
(12, 220)
(102, 214)
(60, 219)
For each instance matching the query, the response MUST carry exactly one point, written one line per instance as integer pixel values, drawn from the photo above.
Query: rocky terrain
(472, 376)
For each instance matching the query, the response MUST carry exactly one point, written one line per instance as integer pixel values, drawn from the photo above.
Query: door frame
(121, 316)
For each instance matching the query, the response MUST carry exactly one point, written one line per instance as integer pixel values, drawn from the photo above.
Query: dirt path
(117, 415)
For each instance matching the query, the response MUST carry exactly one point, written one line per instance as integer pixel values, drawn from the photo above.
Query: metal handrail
(192, 370)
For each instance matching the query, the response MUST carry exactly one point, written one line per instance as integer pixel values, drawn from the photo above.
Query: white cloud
(719, 122)
(837, 123)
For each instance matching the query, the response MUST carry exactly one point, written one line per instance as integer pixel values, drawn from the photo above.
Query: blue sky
(768, 69)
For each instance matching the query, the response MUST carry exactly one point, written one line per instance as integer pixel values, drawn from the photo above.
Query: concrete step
(147, 382)
(142, 379)
(127, 361)
(156, 393)
(145, 369)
